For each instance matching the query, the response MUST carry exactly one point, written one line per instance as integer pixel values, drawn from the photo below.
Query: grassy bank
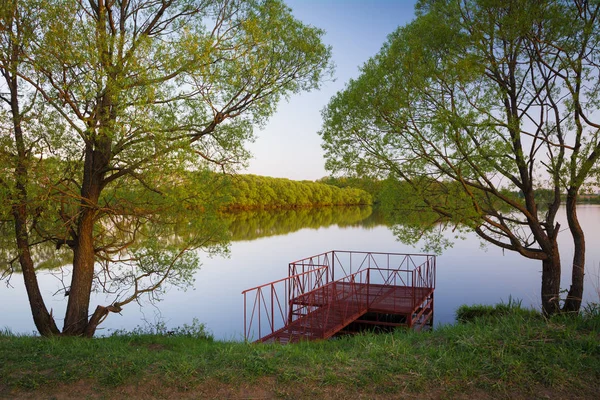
(498, 353)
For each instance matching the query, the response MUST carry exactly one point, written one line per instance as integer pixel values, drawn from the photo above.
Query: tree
(475, 99)
(122, 100)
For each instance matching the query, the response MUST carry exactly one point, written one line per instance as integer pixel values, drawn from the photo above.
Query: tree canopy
(478, 99)
(107, 106)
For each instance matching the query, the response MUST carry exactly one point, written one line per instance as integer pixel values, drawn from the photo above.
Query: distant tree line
(390, 193)
(393, 193)
(249, 192)
(545, 197)
(370, 185)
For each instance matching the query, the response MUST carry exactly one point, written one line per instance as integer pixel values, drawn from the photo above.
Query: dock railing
(423, 276)
(267, 307)
(341, 263)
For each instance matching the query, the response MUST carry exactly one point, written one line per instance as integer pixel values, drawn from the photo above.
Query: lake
(265, 243)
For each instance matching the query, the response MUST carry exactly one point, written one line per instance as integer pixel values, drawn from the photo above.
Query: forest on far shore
(248, 192)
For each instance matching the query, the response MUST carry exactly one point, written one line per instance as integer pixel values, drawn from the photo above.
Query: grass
(502, 352)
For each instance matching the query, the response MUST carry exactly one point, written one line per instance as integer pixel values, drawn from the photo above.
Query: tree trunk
(43, 320)
(76, 318)
(575, 295)
(551, 283)
(98, 316)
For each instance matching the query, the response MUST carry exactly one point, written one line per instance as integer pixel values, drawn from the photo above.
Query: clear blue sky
(289, 146)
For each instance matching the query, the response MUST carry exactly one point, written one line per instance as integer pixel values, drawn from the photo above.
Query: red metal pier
(342, 292)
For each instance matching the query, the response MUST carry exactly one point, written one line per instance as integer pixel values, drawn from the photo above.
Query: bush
(465, 314)
(196, 330)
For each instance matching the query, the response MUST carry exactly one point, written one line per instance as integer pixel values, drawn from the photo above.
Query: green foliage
(513, 307)
(428, 109)
(196, 330)
(261, 192)
(369, 185)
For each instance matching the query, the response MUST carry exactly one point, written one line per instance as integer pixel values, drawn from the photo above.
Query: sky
(289, 145)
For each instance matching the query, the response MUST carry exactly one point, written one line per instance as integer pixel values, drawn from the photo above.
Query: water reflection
(251, 225)
(265, 242)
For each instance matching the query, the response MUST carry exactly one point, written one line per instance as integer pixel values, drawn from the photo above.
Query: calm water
(264, 245)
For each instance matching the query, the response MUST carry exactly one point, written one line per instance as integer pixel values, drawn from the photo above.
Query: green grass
(501, 351)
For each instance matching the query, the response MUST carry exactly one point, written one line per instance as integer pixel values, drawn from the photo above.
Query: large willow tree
(109, 108)
(476, 99)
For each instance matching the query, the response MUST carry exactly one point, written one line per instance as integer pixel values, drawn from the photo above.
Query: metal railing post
(368, 287)
(414, 300)
(272, 309)
(434, 270)
(332, 265)
(259, 312)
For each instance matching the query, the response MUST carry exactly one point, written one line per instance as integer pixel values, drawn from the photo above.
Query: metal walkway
(375, 289)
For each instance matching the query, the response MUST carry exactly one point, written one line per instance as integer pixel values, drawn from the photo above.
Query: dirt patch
(266, 389)
(150, 389)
